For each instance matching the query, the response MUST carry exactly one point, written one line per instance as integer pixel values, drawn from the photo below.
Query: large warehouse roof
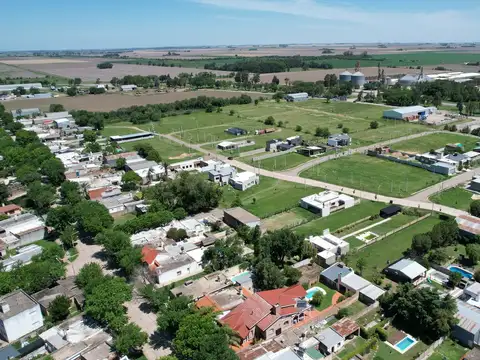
(410, 109)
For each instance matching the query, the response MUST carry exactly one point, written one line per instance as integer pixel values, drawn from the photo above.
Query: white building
(409, 113)
(222, 176)
(128, 87)
(329, 242)
(188, 165)
(20, 315)
(21, 230)
(297, 97)
(327, 202)
(339, 140)
(23, 257)
(147, 170)
(245, 180)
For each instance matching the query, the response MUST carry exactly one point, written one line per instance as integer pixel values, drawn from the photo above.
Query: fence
(349, 226)
(427, 353)
(395, 231)
(403, 161)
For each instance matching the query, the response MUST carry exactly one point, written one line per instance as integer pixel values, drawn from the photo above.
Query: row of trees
(200, 80)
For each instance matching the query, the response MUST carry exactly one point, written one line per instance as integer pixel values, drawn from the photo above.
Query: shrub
(382, 334)
(364, 333)
(317, 299)
(298, 128)
(343, 313)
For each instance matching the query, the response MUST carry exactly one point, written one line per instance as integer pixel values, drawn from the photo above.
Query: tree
(473, 252)
(199, 337)
(34, 91)
(70, 193)
(361, 264)
(237, 202)
(4, 193)
(292, 275)
(270, 121)
(438, 256)
(374, 125)
(89, 276)
(156, 297)
(460, 107)
(173, 312)
(267, 276)
(92, 147)
(256, 102)
(105, 302)
(476, 275)
(344, 312)
(59, 308)
(345, 130)
(130, 339)
(421, 243)
(445, 233)
(179, 213)
(72, 91)
(275, 80)
(177, 234)
(421, 312)
(256, 78)
(437, 100)
(279, 245)
(77, 81)
(89, 136)
(322, 132)
(40, 196)
(24, 137)
(59, 218)
(56, 108)
(69, 237)
(54, 170)
(120, 163)
(223, 254)
(317, 299)
(475, 208)
(298, 128)
(454, 279)
(92, 218)
(28, 174)
(130, 180)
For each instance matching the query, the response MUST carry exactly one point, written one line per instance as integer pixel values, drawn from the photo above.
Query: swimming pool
(404, 345)
(241, 277)
(314, 290)
(463, 272)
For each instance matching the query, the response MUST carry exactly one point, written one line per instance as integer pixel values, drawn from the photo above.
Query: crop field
(457, 197)
(391, 248)
(435, 141)
(13, 72)
(375, 175)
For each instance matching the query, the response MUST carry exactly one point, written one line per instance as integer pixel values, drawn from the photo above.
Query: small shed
(389, 211)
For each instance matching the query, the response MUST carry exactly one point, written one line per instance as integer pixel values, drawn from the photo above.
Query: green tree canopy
(89, 276)
(267, 276)
(130, 339)
(54, 170)
(475, 208)
(40, 197)
(59, 308)
(170, 315)
(60, 217)
(69, 237)
(292, 275)
(223, 254)
(71, 193)
(92, 217)
(473, 252)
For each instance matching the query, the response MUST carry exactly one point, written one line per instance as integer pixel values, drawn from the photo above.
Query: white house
(21, 230)
(20, 315)
(23, 257)
(326, 202)
(222, 175)
(245, 180)
(339, 140)
(329, 242)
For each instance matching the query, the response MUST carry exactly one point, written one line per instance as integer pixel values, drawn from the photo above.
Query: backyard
(456, 197)
(378, 255)
(448, 350)
(435, 141)
(375, 175)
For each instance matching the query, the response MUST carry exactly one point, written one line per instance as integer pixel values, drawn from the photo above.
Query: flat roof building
(131, 137)
(244, 180)
(339, 140)
(21, 230)
(238, 216)
(327, 202)
(28, 86)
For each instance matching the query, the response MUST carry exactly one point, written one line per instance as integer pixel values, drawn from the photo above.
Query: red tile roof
(267, 321)
(149, 254)
(345, 327)
(97, 193)
(246, 315)
(8, 208)
(206, 301)
(284, 296)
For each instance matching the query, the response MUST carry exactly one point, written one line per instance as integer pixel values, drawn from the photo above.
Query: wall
(23, 323)
(171, 276)
(31, 237)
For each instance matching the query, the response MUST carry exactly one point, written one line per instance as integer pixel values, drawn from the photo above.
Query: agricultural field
(339, 219)
(268, 198)
(389, 249)
(14, 72)
(435, 141)
(456, 197)
(372, 174)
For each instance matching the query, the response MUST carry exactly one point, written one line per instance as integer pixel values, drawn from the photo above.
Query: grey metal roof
(469, 317)
(130, 136)
(333, 271)
(18, 301)
(372, 292)
(354, 281)
(329, 337)
(141, 165)
(223, 171)
(8, 352)
(242, 215)
(409, 268)
(339, 137)
(346, 73)
(474, 288)
(457, 157)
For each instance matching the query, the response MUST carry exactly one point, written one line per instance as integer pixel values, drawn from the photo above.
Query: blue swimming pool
(405, 344)
(312, 291)
(242, 277)
(463, 272)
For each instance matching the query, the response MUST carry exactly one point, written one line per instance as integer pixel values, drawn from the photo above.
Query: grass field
(372, 174)
(435, 141)
(457, 197)
(269, 197)
(288, 218)
(339, 219)
(448, 350)
(278, 163)
(383, 228)
(169, 151)
(389, 249)
(386, 352)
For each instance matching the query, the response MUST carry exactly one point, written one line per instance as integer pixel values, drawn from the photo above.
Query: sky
(100, 24)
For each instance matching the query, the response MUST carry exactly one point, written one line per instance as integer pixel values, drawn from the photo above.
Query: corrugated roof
(469, 224)
(469, 317)
(409, 268)
(372, 292)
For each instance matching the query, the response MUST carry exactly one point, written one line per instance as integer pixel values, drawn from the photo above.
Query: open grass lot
(391, 248)
(372, 174)
(169, 151)
(340, 218)
(457, 197)
(393, 223)
(269, 197)
(119, 129)
(435, 141)
(278, 163)
(352, 345)
(288, 219)
(449, 350)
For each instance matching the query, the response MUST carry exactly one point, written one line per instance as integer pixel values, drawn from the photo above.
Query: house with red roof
(11, 209)
(266, 314)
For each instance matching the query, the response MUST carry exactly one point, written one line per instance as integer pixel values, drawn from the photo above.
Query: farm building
(389, 211)
(339, 140)
(12, 87)
(409, 80)
(128, 87)
(131, 137)
(407, 270)
(231, 145)
(297, 97)
(409, 113)
(236, 131)
(345, 76)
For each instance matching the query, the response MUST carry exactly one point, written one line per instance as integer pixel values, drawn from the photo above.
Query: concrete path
(365, 228)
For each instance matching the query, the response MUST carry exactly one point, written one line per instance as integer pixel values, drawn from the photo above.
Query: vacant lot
(110, 102)
(457, 197)
(289, 219)
(372, 174)
(269, 197)
(169, 151)
(278, 163)
(435, 141)
(390, 249)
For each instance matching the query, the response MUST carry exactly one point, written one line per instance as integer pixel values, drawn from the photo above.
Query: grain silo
(407, 80)
(358, 79)
(345, 76)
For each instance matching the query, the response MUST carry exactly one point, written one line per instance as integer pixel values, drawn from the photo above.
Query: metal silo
(358, 79)
(407, 80)
(345, 76)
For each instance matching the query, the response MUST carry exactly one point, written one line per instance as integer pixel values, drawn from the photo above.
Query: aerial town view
(240, 179)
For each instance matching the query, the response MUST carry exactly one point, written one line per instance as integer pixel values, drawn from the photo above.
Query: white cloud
(436, 25)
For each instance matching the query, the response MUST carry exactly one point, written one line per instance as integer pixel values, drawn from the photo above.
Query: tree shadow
(146, 308)
(160, 339)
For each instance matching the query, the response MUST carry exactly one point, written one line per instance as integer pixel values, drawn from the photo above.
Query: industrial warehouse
(409, 113)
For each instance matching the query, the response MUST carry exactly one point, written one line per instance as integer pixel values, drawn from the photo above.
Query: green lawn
(383, 228)
(327, 299)
(269, 197)
(169, 151)
(386, 352)
(356, 307)
(372, 174)
(278, 163)
(123, 219)
(457, 197)
(389, 249)
(435, 141)
(340, 218)
(449, 350)
(288, 218)
(352, 345)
